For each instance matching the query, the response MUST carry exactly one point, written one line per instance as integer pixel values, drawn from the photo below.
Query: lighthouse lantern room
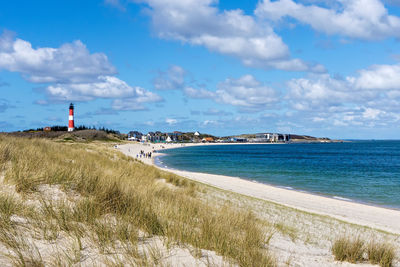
(71, 118)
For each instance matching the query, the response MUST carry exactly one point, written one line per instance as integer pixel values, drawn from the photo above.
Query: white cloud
(368, 99)
(74, 74)
(229, 32)
(372, 113)
(364, 19)
(319, 92)
(104, 87)
(209, 122)
(126, 97)
(172, 79)
(381, 77)
(171, 121)
(71, 62)
(246, 93)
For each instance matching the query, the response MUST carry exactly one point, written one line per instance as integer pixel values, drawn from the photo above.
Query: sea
(359, 171)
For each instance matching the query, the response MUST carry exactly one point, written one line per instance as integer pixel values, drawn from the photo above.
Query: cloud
(172, 79)
(361, 19)
(370, 98)
(70, 63)
(171, 121)
(103, 87)
(383, 77)
(246, 93)
(230, 32)
(318, 92)
(72, 72)
(209, 122)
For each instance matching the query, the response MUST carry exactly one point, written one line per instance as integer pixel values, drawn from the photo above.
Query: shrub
(345, 249)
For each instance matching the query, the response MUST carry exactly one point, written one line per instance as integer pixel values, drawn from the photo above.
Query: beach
(361, 214)
(306, 225)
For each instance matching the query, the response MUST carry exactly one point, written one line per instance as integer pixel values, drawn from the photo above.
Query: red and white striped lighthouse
(71, 118)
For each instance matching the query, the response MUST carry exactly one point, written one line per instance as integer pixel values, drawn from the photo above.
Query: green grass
(119, 197)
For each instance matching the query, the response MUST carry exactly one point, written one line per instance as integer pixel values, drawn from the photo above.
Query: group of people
(144, 155)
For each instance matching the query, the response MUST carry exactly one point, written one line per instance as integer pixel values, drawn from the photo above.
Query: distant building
(240, 139)
(47, 129)
(135, 136)
(207, 140)
(196, 133)
(175, 136)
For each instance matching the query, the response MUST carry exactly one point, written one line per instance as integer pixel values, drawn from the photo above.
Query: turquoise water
(362, 171)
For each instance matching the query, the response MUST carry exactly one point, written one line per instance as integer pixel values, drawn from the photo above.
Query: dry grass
(347, 249)
(381, 253)
(119, 198)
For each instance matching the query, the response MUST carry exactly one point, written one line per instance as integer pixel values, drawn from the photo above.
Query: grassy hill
(80, 136)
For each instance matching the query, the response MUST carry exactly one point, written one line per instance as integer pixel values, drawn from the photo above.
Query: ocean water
(361, 171)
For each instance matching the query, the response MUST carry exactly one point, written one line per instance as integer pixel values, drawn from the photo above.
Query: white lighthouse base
(70, 129)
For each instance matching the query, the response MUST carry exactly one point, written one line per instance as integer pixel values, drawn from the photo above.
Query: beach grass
(357, 250)
(116, 203)
(348, 249)
(381, 253)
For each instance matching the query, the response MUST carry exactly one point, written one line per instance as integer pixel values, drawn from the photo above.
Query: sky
(324, 68)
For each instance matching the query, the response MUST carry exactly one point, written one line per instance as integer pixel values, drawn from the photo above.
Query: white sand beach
(361, 214)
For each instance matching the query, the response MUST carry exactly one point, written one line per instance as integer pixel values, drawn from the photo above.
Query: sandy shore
(361, 214)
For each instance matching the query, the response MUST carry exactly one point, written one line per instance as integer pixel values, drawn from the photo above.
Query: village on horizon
(186, 137)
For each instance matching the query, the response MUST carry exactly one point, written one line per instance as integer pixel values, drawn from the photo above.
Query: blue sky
(323, 68)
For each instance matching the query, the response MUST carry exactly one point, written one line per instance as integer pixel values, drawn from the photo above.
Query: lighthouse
(71, 118)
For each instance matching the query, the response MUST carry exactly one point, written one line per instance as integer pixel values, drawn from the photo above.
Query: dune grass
(347, 249)
(120, 198)
(357, 250)
(381, 253)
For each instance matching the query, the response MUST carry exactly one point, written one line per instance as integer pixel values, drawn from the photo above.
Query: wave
(342, 198)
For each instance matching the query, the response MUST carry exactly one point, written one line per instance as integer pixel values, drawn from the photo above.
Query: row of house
(158, 137)
(261, 138)
(270, 138)
(176, 136)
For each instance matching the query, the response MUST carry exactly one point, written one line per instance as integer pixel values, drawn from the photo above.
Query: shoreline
(382, 218)
(290, 188)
